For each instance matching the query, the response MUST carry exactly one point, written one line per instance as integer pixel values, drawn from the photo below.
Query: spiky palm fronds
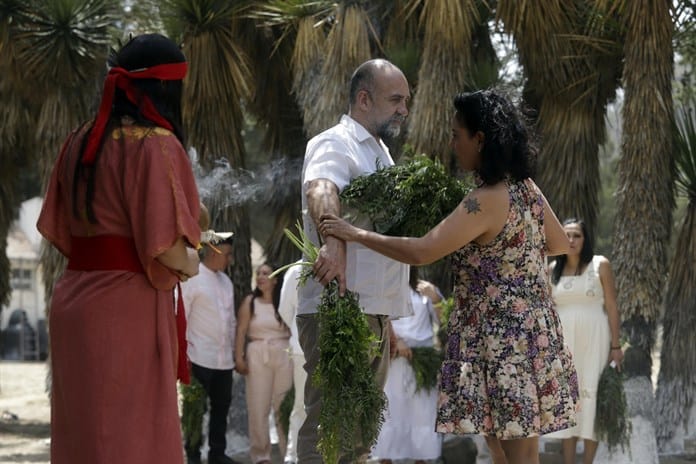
(56, 50)
(307, 62)
(444, 71)
(571, 55)
(219, 78)
(675, 392)
(347, 46)
(219, 82)
(304, 24)
(283, 147)
(645, 197)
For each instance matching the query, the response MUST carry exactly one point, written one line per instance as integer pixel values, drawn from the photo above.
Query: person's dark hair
(586, 252)
(142, 51)
(363, 78)
(275, 298)
(413, 277)
(508, 150)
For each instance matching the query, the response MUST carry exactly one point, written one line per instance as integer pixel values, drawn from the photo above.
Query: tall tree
(645, 200)
(676, 386)
(55, 52)
(675, 407)
(571, 56)
(219, 82)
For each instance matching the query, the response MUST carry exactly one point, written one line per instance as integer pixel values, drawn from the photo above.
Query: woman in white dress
(585, 296)
(409, 428)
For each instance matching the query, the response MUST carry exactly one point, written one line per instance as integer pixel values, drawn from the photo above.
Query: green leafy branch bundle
(407, 199)
(426, 362)
(611, 420)
(194, 402)
(352, 402)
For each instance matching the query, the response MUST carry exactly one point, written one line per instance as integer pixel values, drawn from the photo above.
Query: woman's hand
(616, 355)
(402, 350)
(337, 227)
(240, 365)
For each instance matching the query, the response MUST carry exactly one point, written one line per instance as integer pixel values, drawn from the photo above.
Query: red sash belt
(104, 253)
(117, 253)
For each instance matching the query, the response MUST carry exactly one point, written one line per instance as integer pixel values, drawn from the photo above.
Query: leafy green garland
(407, 199)
(352, 402)
(611, 419)
(194, 402)
(426, 362)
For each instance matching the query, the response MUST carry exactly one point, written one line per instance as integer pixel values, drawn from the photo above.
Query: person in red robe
(122, 206)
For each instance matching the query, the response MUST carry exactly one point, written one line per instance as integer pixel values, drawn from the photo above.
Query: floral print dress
(506, 372)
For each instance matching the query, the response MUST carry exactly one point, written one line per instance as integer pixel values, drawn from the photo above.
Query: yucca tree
(457, 56)
(645, 199)
(218, 85)
(571, 54)
(277, 112)
(52, 60)
(676, 385)
(645, 196)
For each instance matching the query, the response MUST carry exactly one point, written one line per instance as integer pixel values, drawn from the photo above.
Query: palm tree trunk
(645, 200)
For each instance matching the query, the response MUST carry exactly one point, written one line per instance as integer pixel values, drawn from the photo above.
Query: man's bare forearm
(322, 198)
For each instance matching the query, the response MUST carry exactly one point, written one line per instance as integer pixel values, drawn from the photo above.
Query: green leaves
(612, 424)
(352, 402)
(685, 151)
(426, 362)
(406, 200)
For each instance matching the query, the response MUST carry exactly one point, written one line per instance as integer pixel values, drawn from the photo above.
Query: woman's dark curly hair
(586, 253)
(508, 150)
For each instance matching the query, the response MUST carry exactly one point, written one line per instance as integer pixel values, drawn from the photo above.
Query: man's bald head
(365, 75)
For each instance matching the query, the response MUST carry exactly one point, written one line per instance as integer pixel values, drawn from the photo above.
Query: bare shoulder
(604, 266)
(485, 198)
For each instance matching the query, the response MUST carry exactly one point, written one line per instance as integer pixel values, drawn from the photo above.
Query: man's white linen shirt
(340, 154)
(210, 319)
(287, 306)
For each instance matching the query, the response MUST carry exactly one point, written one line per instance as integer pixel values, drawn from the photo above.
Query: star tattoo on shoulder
(472, 205)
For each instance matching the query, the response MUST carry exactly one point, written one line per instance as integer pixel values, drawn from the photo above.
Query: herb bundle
(194, 402)
(425, 362)
(352, 402)
(407, 199)
(611, 420)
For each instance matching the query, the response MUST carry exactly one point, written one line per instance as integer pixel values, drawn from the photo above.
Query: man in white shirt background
(211, 323)
(287, 308)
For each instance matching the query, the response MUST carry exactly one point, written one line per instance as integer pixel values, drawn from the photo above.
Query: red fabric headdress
(123, 79)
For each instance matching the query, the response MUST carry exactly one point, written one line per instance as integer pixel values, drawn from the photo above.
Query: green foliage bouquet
(611, 420)
(426, 362)
(407, 199)
(352, 403)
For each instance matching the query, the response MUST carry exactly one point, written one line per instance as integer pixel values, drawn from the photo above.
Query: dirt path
(24, 413)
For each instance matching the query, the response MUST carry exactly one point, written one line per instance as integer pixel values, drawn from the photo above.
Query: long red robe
(113, 334)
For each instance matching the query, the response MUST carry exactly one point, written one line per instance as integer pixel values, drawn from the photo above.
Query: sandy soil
(24, 413)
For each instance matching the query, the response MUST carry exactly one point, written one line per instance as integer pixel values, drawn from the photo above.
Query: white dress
(409, 428)
(580, 305)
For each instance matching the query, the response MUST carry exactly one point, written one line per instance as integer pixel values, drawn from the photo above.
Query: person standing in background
(209, 303)
(585, 295)
(261, 354)
(287, 308)
(408, 431)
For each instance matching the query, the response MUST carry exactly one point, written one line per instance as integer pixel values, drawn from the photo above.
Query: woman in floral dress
(507, 374)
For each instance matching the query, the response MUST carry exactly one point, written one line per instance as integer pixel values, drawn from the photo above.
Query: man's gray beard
(389, 131)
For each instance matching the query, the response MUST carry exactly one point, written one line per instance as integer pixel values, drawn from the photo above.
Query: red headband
(123, 79)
